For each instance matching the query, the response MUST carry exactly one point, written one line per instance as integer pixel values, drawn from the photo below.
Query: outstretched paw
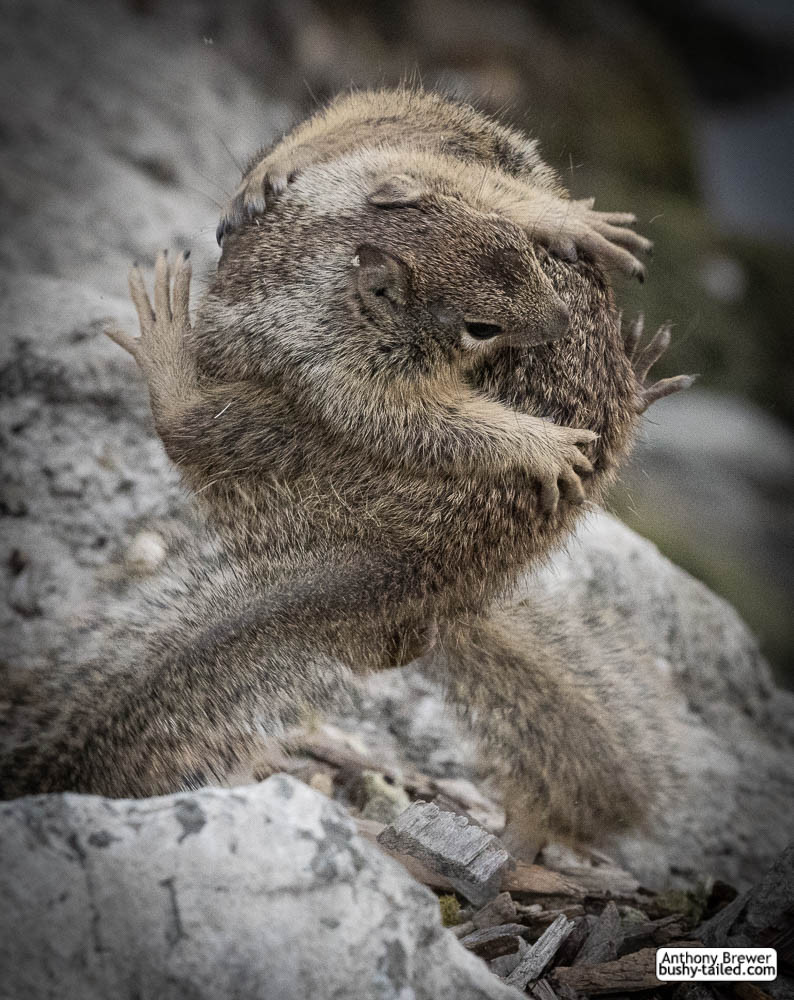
(643, 360)
(161, 350)
(561, 469)
(260, 188)
(577, 228)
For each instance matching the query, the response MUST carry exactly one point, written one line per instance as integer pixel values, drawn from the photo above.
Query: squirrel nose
(559, 320)
(551, 322)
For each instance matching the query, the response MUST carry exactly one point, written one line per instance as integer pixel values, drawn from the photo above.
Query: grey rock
(714, 475)
(262, 891)
(731, 731)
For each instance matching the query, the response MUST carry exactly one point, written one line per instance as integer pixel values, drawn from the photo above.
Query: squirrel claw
(643, 361)
(564, 478)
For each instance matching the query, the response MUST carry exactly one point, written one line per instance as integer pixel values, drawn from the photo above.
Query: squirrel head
(443, 270)
(443, 278)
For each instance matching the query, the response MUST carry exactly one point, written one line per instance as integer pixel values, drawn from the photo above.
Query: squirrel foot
(642, 362)
(164, 328)
(257, 192)
(571, 228)
(560, 464)
(160, 350)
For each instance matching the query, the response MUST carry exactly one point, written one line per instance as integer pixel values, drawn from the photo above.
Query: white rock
(264, 891)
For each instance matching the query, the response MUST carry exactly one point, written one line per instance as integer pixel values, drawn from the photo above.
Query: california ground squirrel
(334, 407)
(446, 132)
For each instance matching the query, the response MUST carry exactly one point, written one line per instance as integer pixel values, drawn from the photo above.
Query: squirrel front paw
(559, 465)
(260, 188)
(161, 349)
(642, 362)
(571, 228)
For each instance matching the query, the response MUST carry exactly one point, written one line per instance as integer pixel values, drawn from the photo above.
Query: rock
(732, 730)
(721, 501)
(264, 891)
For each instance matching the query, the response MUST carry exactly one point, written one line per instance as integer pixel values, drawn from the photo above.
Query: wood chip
(625, 975)
(491, 942)
(543, 991)
(463, 930)
(715, 932)
(541, 881)
(505, 964)
(539, 956)
(543, 917)
(604, 940)
(654, 932)
(500, 910)
(370, 829)
(604, 880)
(577, 937)
(747, 991)
(472, 859)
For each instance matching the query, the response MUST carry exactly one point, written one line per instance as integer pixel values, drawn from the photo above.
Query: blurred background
(124, 126)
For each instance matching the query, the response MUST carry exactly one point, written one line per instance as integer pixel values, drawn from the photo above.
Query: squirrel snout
(552, 322)
(559, 321)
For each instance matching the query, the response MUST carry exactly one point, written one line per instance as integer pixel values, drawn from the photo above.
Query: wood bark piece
(500, 910)
(463, 930)
(491, 942)
(542, 881)
(655, 932)
(603, 880)
(472, 859)
(625, 975)
(604, 939)
(747, 991)
(575, 940)
(534, 963)
(545, 917)
(370, 830)
(529, 879)
(543, 991)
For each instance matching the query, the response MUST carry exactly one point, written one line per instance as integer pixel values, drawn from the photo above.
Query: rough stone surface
(262, 891)
(732, 730)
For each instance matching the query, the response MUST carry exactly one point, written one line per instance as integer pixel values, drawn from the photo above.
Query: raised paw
(604, 236)
(260, 188)
(643, 360)
(562, 466)
(161, 350)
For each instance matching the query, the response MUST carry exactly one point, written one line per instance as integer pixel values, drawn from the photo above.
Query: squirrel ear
(381, 275)
(395, 191)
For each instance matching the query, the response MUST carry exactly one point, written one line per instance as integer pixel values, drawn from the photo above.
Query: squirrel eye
(483, 331)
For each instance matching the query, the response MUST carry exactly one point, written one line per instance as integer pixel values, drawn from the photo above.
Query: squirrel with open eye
(392, 401)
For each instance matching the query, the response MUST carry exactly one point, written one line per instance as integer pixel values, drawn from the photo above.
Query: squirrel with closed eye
(384, 416)
(444, 133)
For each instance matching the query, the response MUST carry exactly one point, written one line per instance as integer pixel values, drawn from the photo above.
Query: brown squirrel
(414, 121)
(336, 407)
